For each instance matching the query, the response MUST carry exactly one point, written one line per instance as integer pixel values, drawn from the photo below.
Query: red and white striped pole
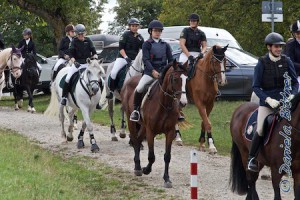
(194, 174)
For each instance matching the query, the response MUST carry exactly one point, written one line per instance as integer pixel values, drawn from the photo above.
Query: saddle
(60, 67)
(268, 125)
(192, 69)
(73, 81)
(120, 78)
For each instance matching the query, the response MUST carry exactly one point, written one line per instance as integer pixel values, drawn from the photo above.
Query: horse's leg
(86, 116)
(30, 95)
(123, 125)
(75, 121)
(178, 136)
(167, 157)
(62, 120)
(80, 143)
(276, 178)
(151, 155)
(211, 147)
(71, 126)
(15, 93)
(252, 178)
(202, 138)
(112, 124)
(205, 125)
(296, 177)
(136, 141)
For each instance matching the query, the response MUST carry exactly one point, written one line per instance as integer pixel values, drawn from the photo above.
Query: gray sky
(108, 14)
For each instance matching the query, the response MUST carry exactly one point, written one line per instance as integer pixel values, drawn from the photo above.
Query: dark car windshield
(241, 57)
(109, 54)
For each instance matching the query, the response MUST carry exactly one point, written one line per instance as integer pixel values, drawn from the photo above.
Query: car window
(211, 42)
(174, 46)
(109, 54)
(241, 57)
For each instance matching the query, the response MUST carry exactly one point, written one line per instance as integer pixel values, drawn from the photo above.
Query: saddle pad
(119, 79)
(148, 94)
(74, 79)
(251, 126)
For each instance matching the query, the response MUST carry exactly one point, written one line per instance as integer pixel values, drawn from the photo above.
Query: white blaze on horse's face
(94, 73)
(15, 63)
(223, 76)
(183, 99)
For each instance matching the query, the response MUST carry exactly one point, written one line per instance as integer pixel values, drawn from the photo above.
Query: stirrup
(135, 116)
(253, 165)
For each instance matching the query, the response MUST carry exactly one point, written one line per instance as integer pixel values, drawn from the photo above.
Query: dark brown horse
(159, 115)
(281, 153)
(203, 88)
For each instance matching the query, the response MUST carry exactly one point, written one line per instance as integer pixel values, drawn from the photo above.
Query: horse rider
(64, 46)
(81, 48)
(156, 55)
(292, 48)
(129, 45)
(192, 41)
(268, 83)
(193, 44)
(29, 46)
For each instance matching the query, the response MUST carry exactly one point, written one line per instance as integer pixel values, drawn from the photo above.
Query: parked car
(45, 77)
(110, 52)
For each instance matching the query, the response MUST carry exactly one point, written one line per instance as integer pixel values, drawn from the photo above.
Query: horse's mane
(164, 72)
(295, 102)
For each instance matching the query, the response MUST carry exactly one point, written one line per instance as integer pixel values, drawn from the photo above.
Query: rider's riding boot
(135, 115)
(253, 152)
(65, 93)
(112, 88)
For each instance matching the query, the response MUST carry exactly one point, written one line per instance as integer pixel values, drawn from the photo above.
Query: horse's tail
(103, 100)
(52, 109)
(238, 178)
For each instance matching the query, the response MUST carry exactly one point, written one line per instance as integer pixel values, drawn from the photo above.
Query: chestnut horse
(159, 115)
(203, 88)
(281, 153)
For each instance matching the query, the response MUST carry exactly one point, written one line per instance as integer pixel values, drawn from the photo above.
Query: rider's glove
(128, 60)
(191, 59)
(200, 56)
(67, 57)
(272, 102)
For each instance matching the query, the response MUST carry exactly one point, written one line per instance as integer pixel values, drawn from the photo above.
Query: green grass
(220, 119)
(29, 172)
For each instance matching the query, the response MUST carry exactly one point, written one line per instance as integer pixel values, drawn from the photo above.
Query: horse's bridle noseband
(12, 67)
(88, 85)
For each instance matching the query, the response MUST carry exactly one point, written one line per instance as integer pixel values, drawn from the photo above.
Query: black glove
(128, 60)
(200, 56)
(191, 59)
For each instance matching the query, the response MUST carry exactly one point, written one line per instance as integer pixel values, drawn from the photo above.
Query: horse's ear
(88, 60)
(100, 61)
(214, 48)
(13, 48)
(225, 48)
(22, 48)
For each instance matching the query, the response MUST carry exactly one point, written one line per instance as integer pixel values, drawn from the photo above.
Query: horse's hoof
(202, 148)
(146, 171)
(33, 110)
(95, 148)
(122, 135)
(213, 151)
(20, 103)
(179, 142)
(16, 107)
(168, 184)
(138, 172)
(114, 138)
(80, 144)
(75, 127)
(29, 109)
(69, 139)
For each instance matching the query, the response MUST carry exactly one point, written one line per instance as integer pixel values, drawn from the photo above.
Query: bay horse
(11, 58)
(159, 114)
(27, 81)
(281, 153)
(85, 95)
(203, 88)
(136, 68)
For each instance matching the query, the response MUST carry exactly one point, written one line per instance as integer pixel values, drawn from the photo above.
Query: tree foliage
(48, 19)
(144, 10)
(242, 18)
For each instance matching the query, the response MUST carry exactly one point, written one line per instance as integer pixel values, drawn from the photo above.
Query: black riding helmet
(274, 38)
(194, 16)
(80, 29)
(155, 24)
(296, 27)
(133, 21)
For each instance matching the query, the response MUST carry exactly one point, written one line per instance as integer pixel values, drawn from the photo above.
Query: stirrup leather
(254, 164)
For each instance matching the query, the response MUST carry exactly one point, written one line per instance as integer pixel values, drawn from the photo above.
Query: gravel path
(213, 170)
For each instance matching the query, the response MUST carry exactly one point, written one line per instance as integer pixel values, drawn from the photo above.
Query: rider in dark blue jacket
(156, 55)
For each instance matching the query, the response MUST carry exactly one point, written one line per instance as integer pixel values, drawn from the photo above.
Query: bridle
(173, 94)
(12, 67)
(87, 85)
(138, 71)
